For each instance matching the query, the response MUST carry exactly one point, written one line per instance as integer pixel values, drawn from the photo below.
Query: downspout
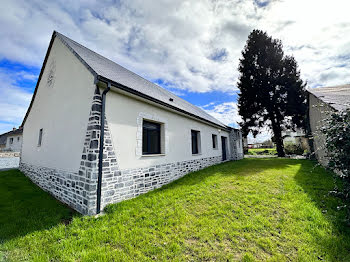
(100, 155)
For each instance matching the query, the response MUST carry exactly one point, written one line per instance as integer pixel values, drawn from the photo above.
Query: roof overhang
(133, 92)
(99, 78)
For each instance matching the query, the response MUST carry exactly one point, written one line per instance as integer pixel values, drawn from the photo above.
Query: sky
(191, 48)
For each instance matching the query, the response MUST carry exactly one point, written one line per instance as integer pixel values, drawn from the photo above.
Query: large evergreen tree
(271, 91)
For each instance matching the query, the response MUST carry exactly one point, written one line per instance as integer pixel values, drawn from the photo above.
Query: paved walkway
(8, 163)
(259, 156)
(274, 156)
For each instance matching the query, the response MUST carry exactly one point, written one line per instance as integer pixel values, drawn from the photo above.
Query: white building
(323, 101)
(148, 137)
(296, 136)
(11, 141)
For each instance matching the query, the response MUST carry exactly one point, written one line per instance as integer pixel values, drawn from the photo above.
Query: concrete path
(9, 163)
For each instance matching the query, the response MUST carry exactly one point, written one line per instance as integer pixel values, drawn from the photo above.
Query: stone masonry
(234, 137)
(129, 183)
(76, 189)
(79, 190)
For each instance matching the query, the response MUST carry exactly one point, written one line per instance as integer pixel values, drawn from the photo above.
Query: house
(3, 139)
(322, 102)
(296, 136)
(11, 141)
(96, 133)
(255, 145)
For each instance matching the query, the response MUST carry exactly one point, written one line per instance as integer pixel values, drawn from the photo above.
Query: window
(215, 141)
(40, 136)
(195, 137)
(11, 140)
(150, 138)
(18, 139)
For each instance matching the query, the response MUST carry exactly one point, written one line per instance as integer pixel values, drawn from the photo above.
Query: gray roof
(337, 97)
(110, 70)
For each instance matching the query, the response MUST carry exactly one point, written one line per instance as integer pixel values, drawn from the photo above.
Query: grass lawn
(262, 151)
(249, 210)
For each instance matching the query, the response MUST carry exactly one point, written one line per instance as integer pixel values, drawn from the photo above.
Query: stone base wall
(68, 187)
(73, 189)
(126, 184)
(79, 190)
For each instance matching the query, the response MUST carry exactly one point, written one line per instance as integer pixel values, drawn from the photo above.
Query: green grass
(249, 210)
(262, 151)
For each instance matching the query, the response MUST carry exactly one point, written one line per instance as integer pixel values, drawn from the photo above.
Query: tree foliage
(337, 132)
(271, 90)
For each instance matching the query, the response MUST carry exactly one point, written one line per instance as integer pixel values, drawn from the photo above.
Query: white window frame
(199, 141)
(164, 138)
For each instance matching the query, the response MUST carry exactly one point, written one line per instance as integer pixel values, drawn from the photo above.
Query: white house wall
(69, 112)
(318, 113)
(16, 145)
(125, 115)
(135, 174)
(62, 111)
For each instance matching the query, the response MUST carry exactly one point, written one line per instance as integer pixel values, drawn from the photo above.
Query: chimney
(13, 129)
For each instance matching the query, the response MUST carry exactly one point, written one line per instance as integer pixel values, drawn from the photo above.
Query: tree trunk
(277, 132)
(309, 135)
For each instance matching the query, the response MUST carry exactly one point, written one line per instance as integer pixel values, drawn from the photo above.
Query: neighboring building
(11, 141)
(322, 102)
(148, 137)
(255, 145)
(268, 144)
(3, 139)
(295, 137)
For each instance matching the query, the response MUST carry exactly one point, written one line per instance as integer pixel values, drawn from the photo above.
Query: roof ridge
(70, 42)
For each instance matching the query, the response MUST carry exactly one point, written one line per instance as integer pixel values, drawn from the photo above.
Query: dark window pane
(194, 136)
(150, 138)
(214, 140)
(40, 136)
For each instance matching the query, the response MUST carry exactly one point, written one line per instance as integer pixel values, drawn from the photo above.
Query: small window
(11, 140)
(40, 136)
(195, 137)
(215, 141)
(150, 138)
(18, 139)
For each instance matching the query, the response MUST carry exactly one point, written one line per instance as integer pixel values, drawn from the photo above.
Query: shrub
(293, 149)
(337, 132)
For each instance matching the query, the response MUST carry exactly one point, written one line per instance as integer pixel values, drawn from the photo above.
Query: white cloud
(265, 134)
(175, 40)
(192, 45)
(227, 112)
(315, 33)
(14, 101)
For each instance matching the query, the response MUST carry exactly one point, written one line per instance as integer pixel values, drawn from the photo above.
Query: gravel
(9, 162)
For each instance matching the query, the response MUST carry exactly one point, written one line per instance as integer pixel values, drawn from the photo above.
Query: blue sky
(192, 48)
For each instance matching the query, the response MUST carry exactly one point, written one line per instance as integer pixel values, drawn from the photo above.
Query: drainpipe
(100, 155)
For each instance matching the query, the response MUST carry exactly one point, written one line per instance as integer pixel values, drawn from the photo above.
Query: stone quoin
(151, 137)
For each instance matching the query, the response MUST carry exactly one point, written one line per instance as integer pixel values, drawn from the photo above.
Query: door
(223, 146)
